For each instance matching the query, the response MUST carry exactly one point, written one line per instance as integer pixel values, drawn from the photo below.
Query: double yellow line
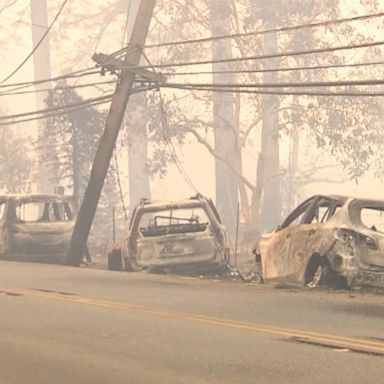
(338, 342)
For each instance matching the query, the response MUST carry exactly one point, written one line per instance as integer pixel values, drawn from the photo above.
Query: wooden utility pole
(108, 140)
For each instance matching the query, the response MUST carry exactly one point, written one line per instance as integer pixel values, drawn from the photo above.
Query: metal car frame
(334, 247)
(45, 239)
(183, 246)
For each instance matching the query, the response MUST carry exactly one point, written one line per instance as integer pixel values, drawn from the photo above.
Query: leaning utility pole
(108, 140)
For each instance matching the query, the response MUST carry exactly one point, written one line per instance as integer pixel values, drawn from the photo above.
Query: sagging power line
(38, 44)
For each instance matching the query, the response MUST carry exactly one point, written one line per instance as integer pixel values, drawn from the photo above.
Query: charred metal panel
(172, 241)
(332, 229)
(43, 234)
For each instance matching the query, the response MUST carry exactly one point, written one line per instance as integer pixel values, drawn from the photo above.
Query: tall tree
(16, 161)
(224, 117)
(47, 179)
(73, 139)
(270, 149)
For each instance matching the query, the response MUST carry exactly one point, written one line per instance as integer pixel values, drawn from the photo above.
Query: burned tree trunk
(271, 208)
(223, 118)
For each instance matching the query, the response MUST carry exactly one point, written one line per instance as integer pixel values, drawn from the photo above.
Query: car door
(307, 238)
(276, 255)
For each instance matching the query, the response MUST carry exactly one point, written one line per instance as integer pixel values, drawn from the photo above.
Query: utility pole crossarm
(107, 143)
(113, 64)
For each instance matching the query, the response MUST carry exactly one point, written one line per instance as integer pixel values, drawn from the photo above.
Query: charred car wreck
(35, 227)
(326, 240)
(183, 236)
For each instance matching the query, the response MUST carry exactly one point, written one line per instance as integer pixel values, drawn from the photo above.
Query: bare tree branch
(211, 150)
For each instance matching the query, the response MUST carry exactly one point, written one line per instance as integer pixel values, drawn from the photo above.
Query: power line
(270, 56)
(277, 30)
(168, 142)
(279, 93)
(47, 110)
(62, 110)
(71, 75)
(311, 84)
(6, 93)
(241, 71)
(39, 43)
(167, 138)
(120, 186)
(60, 113)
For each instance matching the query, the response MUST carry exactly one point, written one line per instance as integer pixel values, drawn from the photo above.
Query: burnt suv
(326, 240)
(35, 227)
(185, 235)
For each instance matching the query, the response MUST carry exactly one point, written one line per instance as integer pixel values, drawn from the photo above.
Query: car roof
(339, 198)
(345, 198)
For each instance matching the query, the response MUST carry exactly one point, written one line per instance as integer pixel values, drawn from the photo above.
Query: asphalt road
(67, 325)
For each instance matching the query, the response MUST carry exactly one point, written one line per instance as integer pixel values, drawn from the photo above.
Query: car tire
(258, 270)
(130, 264)
(115, 260)
(318, 273)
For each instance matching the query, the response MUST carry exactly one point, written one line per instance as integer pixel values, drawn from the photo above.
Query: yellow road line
(322, 338)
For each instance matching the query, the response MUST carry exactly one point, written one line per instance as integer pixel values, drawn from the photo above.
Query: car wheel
(258, 270)
(318, 273)
(115, 261)
(130, 264)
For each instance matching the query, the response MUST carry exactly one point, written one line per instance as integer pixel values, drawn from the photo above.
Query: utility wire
(47, 110)
(115, 155)
(256, 33)
(120, 186)
(168, 142)
(72, 75)
(279, 93)
(6, 93)
(167, 138)
(63, 110)
(269, 56)
(311, 84)
(38, 44)
(59, 113)
(241, 71)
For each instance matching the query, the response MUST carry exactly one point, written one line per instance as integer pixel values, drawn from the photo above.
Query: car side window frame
(302, 208)
(319, 202)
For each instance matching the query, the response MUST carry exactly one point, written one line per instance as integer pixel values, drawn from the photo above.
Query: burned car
(326, 240)
(180, 236)
(35, 227)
